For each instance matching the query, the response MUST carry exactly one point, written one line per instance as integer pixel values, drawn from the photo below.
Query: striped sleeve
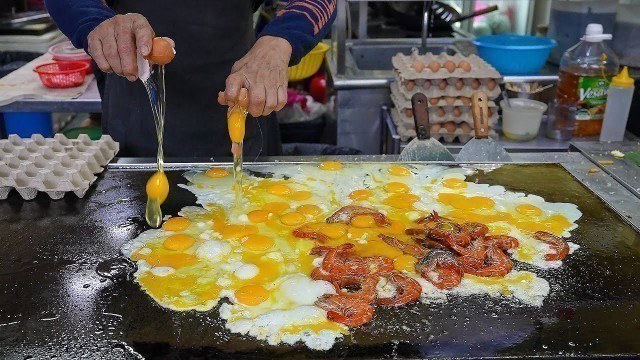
(303, 23)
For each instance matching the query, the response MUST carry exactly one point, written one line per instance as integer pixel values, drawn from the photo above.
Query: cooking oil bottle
(585, 73)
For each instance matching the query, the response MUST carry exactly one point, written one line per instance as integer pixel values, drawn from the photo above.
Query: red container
(59, 75)
(65, 51)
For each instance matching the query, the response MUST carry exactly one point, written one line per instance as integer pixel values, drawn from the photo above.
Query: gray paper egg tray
(407, 130)
(55, 165)
(441, 111)
(442, 82)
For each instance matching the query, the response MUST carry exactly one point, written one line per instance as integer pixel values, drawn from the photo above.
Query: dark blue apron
(210, 36)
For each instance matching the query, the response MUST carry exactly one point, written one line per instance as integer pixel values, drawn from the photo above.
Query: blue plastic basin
(25, 124)
(514, 54)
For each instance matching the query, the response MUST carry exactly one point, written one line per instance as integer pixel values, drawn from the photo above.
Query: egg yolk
(333, 231)
(251, 295)
(360, 194)
(276, 207)
(235, 122)
(398, 171)
(300, 195)
(292, 218)
(527, 209)
(309, 209)
(217, 173)
(401, 201)
(158, 187)
(363, 221)
(467, 203)
(405, 262)
(236, 231)
(454, 183)
(330, 165)
(176, 224)
(258, 216)
(279, 189)
(178, 242)
(396, 187)
(257, 242)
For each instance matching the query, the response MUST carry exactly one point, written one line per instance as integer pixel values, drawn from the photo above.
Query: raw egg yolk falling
(158, 187)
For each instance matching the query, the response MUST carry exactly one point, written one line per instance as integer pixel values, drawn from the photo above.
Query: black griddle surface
(53, 303)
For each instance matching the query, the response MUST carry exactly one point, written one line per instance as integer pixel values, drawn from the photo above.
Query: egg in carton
(52, 165)
(442, 109)
(447, 132)
(445, 75)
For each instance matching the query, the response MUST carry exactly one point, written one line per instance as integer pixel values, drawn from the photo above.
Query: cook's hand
(113, 44)
(263, 71)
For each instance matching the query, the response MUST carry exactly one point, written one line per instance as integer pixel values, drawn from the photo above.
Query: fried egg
(247, 253)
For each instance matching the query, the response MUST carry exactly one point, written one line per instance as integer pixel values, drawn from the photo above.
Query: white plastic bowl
(521, 121)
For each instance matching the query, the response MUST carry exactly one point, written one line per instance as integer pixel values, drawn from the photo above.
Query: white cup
(521, 121)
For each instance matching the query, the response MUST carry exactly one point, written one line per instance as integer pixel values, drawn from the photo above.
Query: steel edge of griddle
(603, 185)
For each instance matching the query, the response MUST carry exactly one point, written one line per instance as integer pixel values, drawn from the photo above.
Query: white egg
(213, 250)
(246, 271)
(162, 270)
(303, 290)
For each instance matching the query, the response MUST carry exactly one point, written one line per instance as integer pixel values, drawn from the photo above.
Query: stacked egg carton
(55, 166)
(448, 81)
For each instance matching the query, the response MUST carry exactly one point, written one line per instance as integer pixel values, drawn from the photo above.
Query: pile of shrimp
(445, 250)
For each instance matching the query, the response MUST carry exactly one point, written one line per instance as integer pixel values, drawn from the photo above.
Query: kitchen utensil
(505, 96)
(410, 15)
(423, 147)
(59, 75)
(482, 148)
(521, 120)
(514, 54)
(445, 14)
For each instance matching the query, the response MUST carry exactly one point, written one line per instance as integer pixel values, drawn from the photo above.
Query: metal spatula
(482, 148)
(423, 147)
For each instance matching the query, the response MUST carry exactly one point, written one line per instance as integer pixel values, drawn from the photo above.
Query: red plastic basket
(62, 74)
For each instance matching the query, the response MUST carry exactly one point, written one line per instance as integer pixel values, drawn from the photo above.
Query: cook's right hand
(113, 44)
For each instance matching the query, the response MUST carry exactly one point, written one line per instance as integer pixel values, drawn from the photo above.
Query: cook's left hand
(264, 72)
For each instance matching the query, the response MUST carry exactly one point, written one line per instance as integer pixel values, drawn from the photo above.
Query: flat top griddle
(54, 303)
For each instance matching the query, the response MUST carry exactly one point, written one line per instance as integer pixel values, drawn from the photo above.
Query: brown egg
(434, 101)
(427, 84)
(449, 100)
(459, 84)
(435, 128)
(491, 85)
(450, 126)
(410, 84)
(434, 66)
(161, 51)
(440, 112)
(418, 66)
(466, 128)
(443, 85)
(243, 98)
(475, 84)
(449, 65)
(409, 113)
(465, 100)
(489, 111)
(464, 65)
(456, 112)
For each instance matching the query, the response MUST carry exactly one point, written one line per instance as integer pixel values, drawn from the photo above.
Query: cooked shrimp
(503, 242)
(346, 309)
(346, 213)
(306, 232)
(406, 248)
(450, 233)
(407, 290)
(497, 263)
(475, 229)
(558, 246)
(367, 289)
(441, 269)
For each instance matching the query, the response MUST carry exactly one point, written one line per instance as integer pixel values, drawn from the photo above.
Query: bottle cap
(594, 33)
(623, 79)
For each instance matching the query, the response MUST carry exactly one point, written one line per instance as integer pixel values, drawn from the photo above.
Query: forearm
(303, 23)
(77, 18)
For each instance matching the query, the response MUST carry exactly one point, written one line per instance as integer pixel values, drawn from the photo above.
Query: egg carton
(52, 165)
(441, 109)
(407, 131)
(449, 79)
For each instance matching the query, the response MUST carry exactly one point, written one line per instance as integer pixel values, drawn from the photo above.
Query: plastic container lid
(623, 79)
(594, 33)
(66, 51)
